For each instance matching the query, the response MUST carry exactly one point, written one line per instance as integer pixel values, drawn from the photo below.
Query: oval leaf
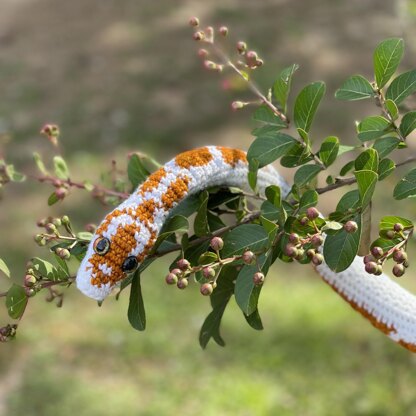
(387, 57)
(402, 87)
(355, 88)
(16, 301)
(408, 123)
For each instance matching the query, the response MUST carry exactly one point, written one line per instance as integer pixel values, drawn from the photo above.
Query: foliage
(232, 257)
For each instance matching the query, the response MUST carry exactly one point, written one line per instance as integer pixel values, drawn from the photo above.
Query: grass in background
(315, 357)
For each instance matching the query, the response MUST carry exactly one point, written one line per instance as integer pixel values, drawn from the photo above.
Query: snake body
(127, 234)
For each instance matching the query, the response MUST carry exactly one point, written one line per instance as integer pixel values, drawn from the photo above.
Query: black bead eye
(101, 245)
(130, 264)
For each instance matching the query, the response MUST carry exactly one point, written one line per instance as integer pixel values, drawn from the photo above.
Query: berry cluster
(375, 260)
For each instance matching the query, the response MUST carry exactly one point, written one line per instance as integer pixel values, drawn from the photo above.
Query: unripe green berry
(183, 264)
(398, 270)
(351, 227)
(65, 220)
(182, 283)
(406, 264)
(206, 289)
(30, 280)
(208, 272)
(171, 279)
(398, 227)
(57, 222)
(249, 257)
(258, 278)
(304, 221)
(301, 253)
(371, 267)
(317, 240)
(317, 259)
(38, 237)
(379, 270)
(390, 234)
(377, 252)
(217, 243)
(399, 256)
(50, 228)
(312, 213)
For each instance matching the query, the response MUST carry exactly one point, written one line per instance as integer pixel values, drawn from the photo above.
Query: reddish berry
(206, 289)
(317, 240)
(368, 258)
(30, 292)
(398, 270)
(203, 53)
(171, 279)
(399, 256)
(317, 259)
(30, 280)
(249, 257)
(312, 213)
(182, 283)
(217, 243)
(371, 267)
(294, 238)
(351, 227)
(223, 30)
(183, 264)
(291, 250)
(377, 252)
(241, 47)
(258, 278)
(208, 272)
(199, 36)
(194, 21)
(398, 227)
(176, 271)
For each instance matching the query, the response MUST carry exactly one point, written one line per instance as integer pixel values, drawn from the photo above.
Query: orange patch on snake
(232, 156)
(152, 181)
(175, 192)
(197, 157)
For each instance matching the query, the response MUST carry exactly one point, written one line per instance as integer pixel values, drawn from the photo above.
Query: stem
(48, 284)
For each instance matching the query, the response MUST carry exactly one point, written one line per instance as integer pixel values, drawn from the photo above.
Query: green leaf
(246, 236)
(344, 149)
(349, 166)
(270, 227)
(174, 224)
(269, 211)
(282, 85)
(273, 195)
(367, 160)
(385, 244)
(207, 258)
(16, 301)
(392, 109)
(332, 226)
(13, 175)
(4, 269)
(402, 87)
(341, 248)
(252, 174)
(385, 168)
(387, 57)
(136, 171)
(201, 221)
(246, 292)
(309, 199)
(136, 312)
(48, 270)
(386, 145)
(265, 115)
(387, 222)
(408, 123)
(372, 128)
(305, 174)
(296, 156)
(254, 320)
(307, 103)
(355, 88)
(406, 187)
(39, 163)
(349, 200)
(366, 180)
(267, 149)
(329, 150)
(53, 199)
(61, 169)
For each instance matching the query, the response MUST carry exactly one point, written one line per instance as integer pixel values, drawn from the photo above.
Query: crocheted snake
(127, 234)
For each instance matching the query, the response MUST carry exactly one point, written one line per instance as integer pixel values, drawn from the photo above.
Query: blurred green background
(119, 76)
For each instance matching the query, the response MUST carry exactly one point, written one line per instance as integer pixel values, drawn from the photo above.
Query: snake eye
(101, 245)
(130, 264)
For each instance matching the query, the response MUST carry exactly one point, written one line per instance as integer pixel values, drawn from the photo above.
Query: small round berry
(217, 243)
(390, 234)
(398, 227)
(317, 240)
(368, 258)
(310, 253)
(42, 222)
(206, 289)
(301, 253)
(294, 238)
(199, 36)
(377, 252)
(251, 56)
(182, 283)
(61, 192)
(237, 105)
(57, 222)
(176, 271)
(212, 66)
(50, 228)
(38, 237)
(312, 213)
(30, 292)
(241, 47)
(371, 267)
(351, 227)
(223, 30)
(65, 220)
(208, 272)
(399, 256)
(183, 264)
(63, 253)
(291, 250)
(203, 53)
(317, 259)
(259, 62)
(30, 280)
(304, 221)
(90, 227)
(194, 21)
(249, 257)
(171, 279)
(398, 270)
(258, 278)
(379, 270)
(406, 264)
